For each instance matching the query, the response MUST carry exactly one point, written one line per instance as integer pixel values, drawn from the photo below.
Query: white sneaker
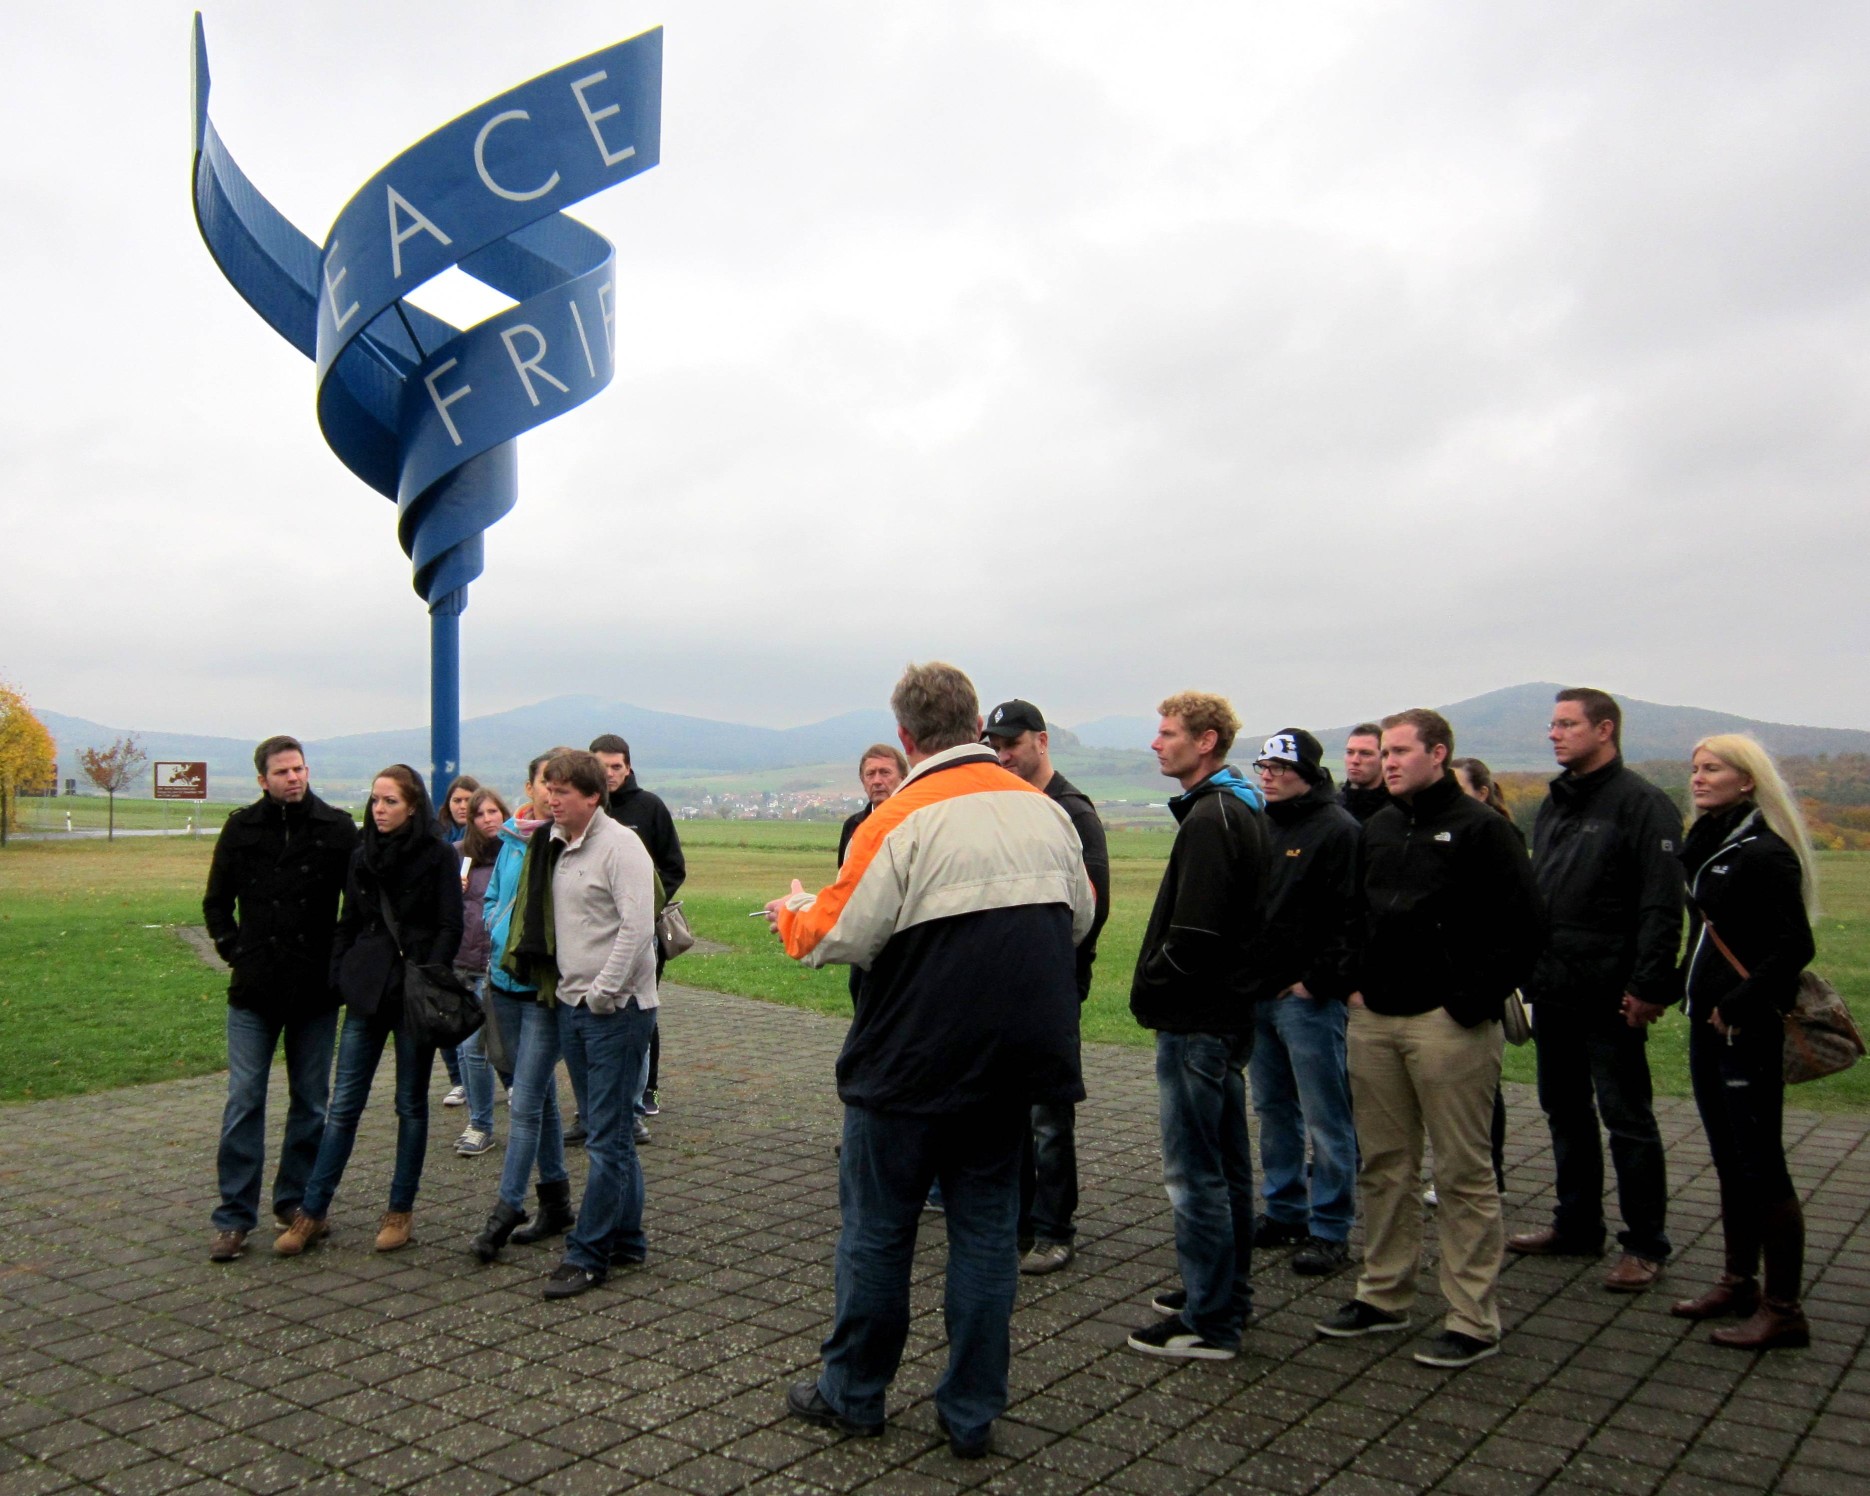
(1429, 1197)
(457, 1096)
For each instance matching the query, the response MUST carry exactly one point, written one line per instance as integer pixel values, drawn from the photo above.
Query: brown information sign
(181, 781)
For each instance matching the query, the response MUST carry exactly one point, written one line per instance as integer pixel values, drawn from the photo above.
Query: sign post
(425, 413)
(181, 781)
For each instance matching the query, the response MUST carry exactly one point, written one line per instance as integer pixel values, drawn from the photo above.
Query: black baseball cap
(1010, 718)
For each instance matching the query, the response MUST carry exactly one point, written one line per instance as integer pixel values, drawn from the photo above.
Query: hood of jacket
(1226, 780)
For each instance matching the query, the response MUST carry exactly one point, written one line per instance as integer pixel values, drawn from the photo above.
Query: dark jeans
(1302, 1091)
(605, 1053)
(251, 1040)
(888, 1161)
(1048, 1174)
(1207, 1166)
(1740, 1091)
(1592, 1063)
(360, 1047)
(534, 1132)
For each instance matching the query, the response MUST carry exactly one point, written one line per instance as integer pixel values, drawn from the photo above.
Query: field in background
(97, 991)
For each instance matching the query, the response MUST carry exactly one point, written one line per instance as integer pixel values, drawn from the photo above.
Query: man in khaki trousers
(1449, 924)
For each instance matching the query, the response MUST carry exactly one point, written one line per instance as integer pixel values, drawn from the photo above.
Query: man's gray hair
(936, 705)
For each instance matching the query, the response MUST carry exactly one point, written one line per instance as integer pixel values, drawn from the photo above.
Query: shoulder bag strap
(1721, 946)
(389, 919)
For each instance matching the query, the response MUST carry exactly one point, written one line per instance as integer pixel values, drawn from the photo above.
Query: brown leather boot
(303, 1231)
(1733, 1295)
(394, 1232)
(1775, 1324)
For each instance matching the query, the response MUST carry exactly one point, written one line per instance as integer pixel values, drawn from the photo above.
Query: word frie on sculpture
(424, 412)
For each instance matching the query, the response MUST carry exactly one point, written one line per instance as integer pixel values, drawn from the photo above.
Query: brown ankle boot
(394, 1232)
(303, 1231)
(1733, 1295)
(1775, 1324)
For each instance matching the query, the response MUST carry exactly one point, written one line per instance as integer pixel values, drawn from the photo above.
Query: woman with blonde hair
(1752, 894)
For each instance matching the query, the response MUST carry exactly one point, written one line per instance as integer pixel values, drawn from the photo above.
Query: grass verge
(96, 991)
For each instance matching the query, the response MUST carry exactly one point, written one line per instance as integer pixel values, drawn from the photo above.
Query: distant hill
(1505, 727)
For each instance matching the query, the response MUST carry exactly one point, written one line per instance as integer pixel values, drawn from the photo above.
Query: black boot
(498, 1228)
(556, 1216)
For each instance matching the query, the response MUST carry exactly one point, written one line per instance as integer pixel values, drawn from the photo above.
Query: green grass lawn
(96, 990)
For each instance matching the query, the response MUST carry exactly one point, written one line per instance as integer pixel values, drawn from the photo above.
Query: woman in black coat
(1751, 896)
(402, 902)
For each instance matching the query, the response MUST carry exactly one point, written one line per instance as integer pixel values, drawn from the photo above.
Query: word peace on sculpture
(422, 411)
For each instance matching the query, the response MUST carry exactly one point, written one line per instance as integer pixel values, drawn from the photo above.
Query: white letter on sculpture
(480, 161)
(338, 319)
(577, 318)
(442, 403)
(527, 367)
(591, 117)
(604, 294)
(401, 236)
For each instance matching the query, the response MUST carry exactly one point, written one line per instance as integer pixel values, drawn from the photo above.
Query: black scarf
(386, 856)
(533, 949)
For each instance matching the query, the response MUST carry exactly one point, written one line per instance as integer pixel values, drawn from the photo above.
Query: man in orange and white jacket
(963, 896)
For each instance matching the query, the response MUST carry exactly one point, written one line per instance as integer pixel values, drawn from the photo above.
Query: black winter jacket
(1084, 820)
(645, 814)
(272, 903)
(1604, 852)
(425, 894)
(1191, 973)
(1363, 803)
(1448, 916)
(1746, 880)
(1312, 888)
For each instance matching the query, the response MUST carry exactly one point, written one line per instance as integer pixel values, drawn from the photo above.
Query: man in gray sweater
(604, 926)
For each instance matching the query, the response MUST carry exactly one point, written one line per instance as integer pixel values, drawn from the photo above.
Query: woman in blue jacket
(530, 1026)
(1752, 893)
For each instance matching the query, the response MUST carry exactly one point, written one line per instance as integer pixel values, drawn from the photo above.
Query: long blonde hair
(1779, 807)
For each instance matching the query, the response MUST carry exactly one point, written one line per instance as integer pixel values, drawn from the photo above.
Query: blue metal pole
(445, 692)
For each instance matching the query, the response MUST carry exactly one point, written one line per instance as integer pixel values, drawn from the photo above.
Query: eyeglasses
(1563, 724)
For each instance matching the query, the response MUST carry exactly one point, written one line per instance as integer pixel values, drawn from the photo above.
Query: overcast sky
(1338, 357)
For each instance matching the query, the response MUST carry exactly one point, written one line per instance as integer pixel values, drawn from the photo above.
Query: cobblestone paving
(132, 1365)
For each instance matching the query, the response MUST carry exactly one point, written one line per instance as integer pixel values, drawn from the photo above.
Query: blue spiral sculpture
(425, 413)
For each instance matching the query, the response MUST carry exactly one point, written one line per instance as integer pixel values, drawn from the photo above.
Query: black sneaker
(1170, 1300)
(963, 1449)
(1355, 1318)
(1319, 1258)
(568, 1280)
(1453, 1350)
(1269, 1233)
(639, 1134)
(650, 1109)
(1172, 1337)
(804, 1400)
(575, 1134)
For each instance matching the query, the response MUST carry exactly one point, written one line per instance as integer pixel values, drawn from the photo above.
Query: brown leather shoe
(1775, 1325)
(1732, 1295)
(1548, 1243)
(227, 1245)
(394, 1232)
(1632, 1274)
(300, 1234)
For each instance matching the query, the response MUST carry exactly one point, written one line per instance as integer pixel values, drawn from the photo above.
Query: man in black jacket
(1604, 852)
(271, 908)
(880, 771)
(629, 803)
(1194, 988)
(1448, 926)
(1301, 1088)
(1363, 794)
(1048, 1185)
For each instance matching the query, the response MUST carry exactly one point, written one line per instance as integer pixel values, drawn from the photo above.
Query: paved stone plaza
(131, 1364)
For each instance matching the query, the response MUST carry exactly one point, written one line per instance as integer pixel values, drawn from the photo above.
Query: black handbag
(438, 1008)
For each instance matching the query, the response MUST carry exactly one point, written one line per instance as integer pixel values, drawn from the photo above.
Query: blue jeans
(1048, 1174)
(360, 1047)
(534, 1131)
(1596, 1055)
(605, 1053)
(251, 1040)
(1301, 1089)
(648, 1072)
(884, 1172)
(476, 1074)
(1207, 1167)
